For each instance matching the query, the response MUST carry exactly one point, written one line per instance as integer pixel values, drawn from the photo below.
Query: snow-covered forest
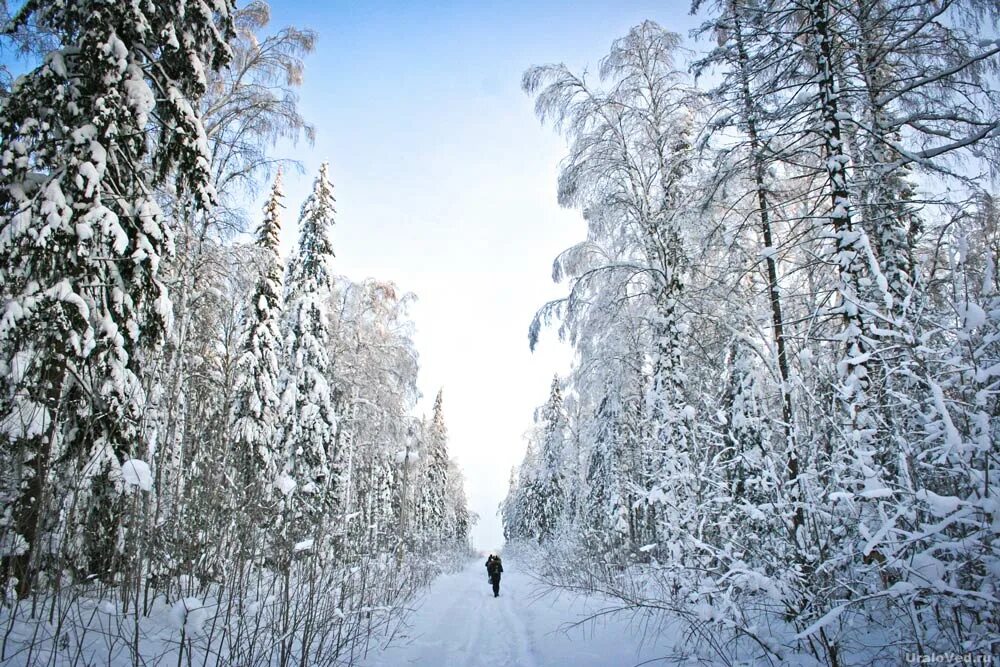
(777, 441)
(781, 426)
(210, 454)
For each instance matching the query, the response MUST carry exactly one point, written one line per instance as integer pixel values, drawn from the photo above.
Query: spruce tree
(746, 431)
(606, 512)
(81, 240)
(460, 520)
(256, 408)
(436, 481)
(550, 483)
(309, 431)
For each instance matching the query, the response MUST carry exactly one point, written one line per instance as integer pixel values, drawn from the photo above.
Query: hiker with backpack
(494, 567)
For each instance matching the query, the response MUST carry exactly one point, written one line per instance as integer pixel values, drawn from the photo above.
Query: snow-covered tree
(746, 432)
(309, 428)
(787, 311)
(606, 508)
(249, 105)
(458, 518)
(550, 477)
(375, 387)
(434, 484)
(256, 406)
(83, 238)
(630, 170)
(519, 509)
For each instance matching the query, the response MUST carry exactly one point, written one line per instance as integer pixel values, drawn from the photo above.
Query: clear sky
(446, 184)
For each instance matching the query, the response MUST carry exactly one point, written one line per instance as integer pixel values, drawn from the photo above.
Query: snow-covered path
(460, 623)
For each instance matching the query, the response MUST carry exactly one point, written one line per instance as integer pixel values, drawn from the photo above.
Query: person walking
(494, 568)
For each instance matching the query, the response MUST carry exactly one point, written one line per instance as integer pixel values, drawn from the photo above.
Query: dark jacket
(494, 566)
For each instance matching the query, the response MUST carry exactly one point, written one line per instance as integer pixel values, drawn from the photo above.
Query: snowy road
(460, 623)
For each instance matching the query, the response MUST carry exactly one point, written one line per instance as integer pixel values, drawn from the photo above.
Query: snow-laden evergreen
(434, 474)
(146, 486)
(87, 138)
(256, 403)
(248, 105)
(441, 501)
(309, 429)
(543, 501)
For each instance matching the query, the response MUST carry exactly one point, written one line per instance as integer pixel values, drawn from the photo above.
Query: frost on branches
(309, 426)
(149, 490)
(256, 407)
(81, 242)
(786, 391)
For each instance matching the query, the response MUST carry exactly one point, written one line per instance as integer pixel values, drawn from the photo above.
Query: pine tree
(309, 432)
(82, 240)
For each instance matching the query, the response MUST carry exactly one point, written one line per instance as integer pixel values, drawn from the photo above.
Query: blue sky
(446, 182)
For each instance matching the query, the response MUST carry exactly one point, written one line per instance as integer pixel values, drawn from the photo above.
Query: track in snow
(459, 622)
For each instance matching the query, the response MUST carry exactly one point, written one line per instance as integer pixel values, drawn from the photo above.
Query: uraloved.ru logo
(948, 659)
